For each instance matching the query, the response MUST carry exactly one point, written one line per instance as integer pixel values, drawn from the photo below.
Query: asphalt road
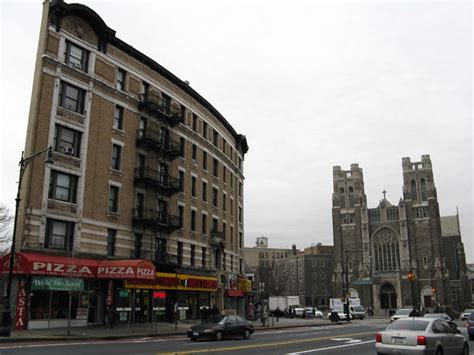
(357, 337)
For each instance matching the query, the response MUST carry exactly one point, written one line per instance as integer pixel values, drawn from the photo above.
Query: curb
(66, 338)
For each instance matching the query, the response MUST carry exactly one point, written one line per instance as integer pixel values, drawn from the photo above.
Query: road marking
(265, 345)
(331, 347)
(349, 340)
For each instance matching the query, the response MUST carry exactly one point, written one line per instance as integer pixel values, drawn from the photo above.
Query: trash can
(334, 316)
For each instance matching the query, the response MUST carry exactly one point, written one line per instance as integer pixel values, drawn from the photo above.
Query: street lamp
(347, 282)
(6, 316)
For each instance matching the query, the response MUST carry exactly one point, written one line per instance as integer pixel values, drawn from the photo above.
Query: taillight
(421, 340)
(378, 338)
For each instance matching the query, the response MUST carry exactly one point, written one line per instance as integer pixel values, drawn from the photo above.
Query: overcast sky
(311, 85)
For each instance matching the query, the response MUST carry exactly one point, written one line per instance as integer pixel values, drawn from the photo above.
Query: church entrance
(388, 296)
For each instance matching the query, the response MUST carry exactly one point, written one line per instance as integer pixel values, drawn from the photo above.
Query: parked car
(221, 327)
(470, 326)
(443, 316)
(299, 311)
(420, 336)
(340, 313)
(466, 313)
(357, 312)
(318, 313)
(404, 313)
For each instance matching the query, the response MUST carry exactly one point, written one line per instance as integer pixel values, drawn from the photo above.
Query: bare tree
(6, 220)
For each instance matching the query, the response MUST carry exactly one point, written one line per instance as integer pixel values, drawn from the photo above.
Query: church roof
(385, 202)
(450, 226)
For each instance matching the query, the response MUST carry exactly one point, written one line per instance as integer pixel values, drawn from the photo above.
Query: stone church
(397, 255)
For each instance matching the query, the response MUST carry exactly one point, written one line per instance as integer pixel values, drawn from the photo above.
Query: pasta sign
(21, 303)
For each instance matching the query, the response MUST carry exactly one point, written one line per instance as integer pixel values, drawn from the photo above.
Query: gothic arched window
(386, 251)
(423, 190)
(414, 196)
(351, 197)
(342, 197)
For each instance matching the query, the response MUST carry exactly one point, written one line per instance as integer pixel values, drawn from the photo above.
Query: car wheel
(465, 350)
(439, 351)
(219, 336)
(246, 334)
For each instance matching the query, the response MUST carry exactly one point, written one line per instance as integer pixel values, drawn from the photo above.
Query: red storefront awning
(126, 269)
(234, 293)
(50, 265)
(53, 265)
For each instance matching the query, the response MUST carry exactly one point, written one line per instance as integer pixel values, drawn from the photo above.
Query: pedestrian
(215, 313)
(110, 317)
(277, 313)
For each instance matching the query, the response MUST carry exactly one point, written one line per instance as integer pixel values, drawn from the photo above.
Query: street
(358, 336)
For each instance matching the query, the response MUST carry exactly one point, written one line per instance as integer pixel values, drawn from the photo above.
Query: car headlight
(190, 330)
(209, 331)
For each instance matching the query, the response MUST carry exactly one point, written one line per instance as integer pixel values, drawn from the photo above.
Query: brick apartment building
(144, 202)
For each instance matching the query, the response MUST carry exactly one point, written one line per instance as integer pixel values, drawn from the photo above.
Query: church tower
(349, 212)
(424, 230)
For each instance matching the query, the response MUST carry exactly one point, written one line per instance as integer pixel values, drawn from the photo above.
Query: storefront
(54, 291)
(172, 295)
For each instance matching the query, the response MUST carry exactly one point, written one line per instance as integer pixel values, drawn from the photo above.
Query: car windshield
(359, 309)
(403, 312)
(216, 320)
(409, 324)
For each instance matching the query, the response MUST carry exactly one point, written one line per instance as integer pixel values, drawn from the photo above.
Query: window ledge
(115, 172)
(113, 214)
(118, 131)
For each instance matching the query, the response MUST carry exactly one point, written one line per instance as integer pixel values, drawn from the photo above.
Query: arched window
(423, 190)
(414, 196)
(386, 251)
(351, 197)
(342, 197)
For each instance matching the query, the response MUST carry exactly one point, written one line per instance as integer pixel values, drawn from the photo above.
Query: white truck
(355, 309)
(282, 302)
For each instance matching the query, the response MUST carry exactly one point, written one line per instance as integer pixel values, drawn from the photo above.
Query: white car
(318, 313)
(340, 313)
(404, 313)
(466, 313)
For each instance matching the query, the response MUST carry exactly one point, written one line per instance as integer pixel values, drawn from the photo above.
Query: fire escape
(155, 137)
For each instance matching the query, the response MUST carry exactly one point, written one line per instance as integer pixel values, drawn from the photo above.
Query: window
(231, 206)
(182, 147)
(204, 129)
(315, 275)
(224, 202)
(423, 190)
(76, 56)
(323, 289)
(67, 141)
(166, 102)
(116, 156)
(193, 186)
(59, 234)
(193, 220)
(204, 191)
(62, 186)
(224, 173)
(204, 224)
(194, 122)
(215, 224)
(215, 138)
(413, 192)
(425, 261)
(111, 236)
(181, 180)
(231, 180)
(204, 160)
(313, 263)
(71, 97)
(215, 167)
(231, 234)
(392, 213)
(224, 230)
(241, 240)
(214, 196)
(113, 198)
(138, 245)
(139, 205)
(194, 154)
(180, 253)
(224, 261)
(193, 255)
(454, 295)
(203, 252)
(231, 263)
(240, 214)
(240, 189)
(181, 216)
(240, 163)
(374, 215)
(386, 251)
(118, 118)
(121, 79)
(421, 212)
(347, 218)
(323, 275)
(351, 197)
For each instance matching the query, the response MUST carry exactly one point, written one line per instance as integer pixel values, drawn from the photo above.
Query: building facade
(145, 170)
(393, 255)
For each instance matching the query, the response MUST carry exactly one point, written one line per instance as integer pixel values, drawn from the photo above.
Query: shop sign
(245, 285)
(21, 304)
(143, 270)
(180, 282)
(57, 284)
(81, 313)
(110, 293)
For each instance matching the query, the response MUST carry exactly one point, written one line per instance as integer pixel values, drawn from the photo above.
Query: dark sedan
(218, 328)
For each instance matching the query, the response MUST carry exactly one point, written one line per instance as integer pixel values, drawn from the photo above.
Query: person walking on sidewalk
(110, 317)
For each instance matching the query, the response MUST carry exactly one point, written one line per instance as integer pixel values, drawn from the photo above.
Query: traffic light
(411, 276)
(433, 290)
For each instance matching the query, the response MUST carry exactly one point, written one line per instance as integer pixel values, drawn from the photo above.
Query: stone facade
(376, 249)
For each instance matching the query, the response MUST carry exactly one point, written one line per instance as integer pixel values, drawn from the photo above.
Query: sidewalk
(141, 330)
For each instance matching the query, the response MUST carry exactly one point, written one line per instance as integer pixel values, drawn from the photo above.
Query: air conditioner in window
(76, 65)
(68, 150)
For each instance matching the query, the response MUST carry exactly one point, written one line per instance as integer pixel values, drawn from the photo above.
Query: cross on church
(384, 192)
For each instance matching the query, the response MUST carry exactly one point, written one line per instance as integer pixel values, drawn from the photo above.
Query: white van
(357, 312)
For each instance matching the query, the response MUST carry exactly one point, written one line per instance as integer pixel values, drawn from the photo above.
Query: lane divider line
(331, 347)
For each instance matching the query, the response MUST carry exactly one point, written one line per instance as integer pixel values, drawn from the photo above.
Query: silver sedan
(416, 335)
